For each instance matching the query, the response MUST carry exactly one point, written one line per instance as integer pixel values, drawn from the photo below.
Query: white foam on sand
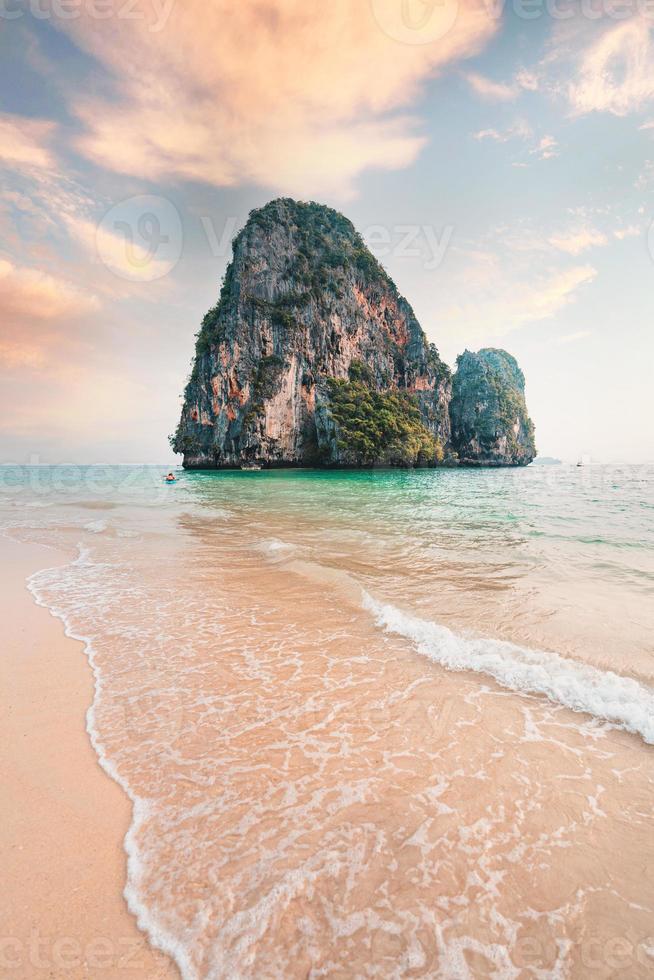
(604, 694)
(147, 923)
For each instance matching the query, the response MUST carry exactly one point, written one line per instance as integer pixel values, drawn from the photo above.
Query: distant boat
(250, 466)
(583, 460)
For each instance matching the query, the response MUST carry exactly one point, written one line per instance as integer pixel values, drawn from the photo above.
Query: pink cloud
(35, 294)
(293, 96)
(488, 89)
(576, 241)
(37, 313)
(546, 148)
(25, 141)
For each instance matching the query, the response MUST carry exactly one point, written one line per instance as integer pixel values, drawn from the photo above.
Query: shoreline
(64, 819)
(464, 464)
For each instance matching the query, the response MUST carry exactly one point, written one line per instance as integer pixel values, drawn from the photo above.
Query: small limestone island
(312, 358)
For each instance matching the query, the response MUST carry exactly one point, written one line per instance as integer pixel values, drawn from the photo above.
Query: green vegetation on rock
(488, 409)
(327, 245)
(379, 426)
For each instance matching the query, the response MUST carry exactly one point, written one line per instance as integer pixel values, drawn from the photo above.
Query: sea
(390, 723)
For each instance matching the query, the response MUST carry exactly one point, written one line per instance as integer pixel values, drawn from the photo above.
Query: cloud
(499, 301)
(19, 355)
(631, 231)
(646, 176)
(25, 141)
(124, 257)
(35, 294)
(540, 300)
(34, 207)
(589, 228)
(616, 73)
(37, 311)
(519, 130)
(546, 148)
(527, 80)
(524, 80)
(576, 241)
(490, 134)
(488, 89)
(571, 338)
(543, 147)
(298, 97)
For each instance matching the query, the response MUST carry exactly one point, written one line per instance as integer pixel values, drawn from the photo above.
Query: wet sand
(63, 819)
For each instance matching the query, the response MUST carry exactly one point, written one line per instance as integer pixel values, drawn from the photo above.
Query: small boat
(250, 466)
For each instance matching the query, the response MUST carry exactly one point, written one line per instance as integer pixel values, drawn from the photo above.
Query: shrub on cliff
(379, 426)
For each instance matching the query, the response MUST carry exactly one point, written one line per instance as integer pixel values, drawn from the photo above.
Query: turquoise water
(560, 556)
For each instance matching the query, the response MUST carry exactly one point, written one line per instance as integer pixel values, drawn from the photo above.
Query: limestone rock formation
(312, 358)
(490, 424)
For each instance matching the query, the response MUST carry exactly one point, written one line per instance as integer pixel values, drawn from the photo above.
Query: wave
(608, 696)
(620, 700)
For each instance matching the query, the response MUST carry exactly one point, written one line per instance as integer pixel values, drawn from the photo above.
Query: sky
(497, 156)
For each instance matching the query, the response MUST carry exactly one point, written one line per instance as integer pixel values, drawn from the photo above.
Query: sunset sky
(498, 158)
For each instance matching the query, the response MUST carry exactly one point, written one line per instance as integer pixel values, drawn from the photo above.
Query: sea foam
(620, 700)
(160, 938)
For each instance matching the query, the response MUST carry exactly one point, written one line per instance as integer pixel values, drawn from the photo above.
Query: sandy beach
(63, 819)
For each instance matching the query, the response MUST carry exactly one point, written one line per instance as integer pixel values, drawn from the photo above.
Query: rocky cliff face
(311, 357)
(490, 425)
